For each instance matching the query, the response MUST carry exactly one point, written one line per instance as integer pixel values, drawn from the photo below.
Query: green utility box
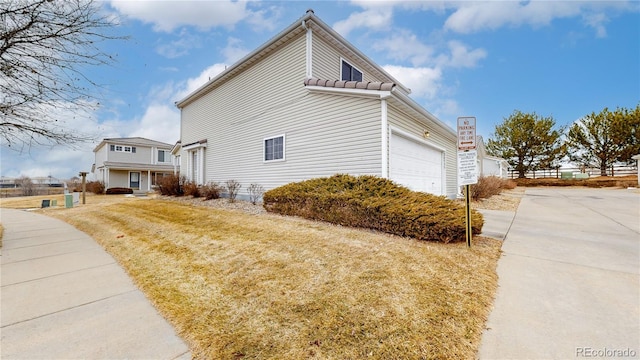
(582, 176)
(566, 175)
(54, 203)
(68, 200)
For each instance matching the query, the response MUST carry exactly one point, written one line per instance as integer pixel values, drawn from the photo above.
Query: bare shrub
(171, 185)
(486, 187)
(27, 186)
(96, 187)
(232, 187)
(191, 189)
(255, 193)
(211, 190)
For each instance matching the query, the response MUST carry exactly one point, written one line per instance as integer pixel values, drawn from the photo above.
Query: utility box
(54, 203)
(68, 200)
(45, 203)
(566, 175)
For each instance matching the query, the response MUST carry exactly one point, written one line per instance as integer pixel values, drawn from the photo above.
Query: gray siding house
(134, 162)
(309, 104)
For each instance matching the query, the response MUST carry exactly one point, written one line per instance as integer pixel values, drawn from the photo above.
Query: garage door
(415, 165)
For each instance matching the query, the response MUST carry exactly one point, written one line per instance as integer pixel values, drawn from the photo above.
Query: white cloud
(461, 56)
(597, 21)
(234, 50)
(377, 18)
(404, 45)
(193, 84)
(168, 15)
(179, 47)
(424, 82)
(160, 122)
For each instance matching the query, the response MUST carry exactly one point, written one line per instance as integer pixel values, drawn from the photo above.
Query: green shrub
(171, 185)
(211, 191)
(375, 203)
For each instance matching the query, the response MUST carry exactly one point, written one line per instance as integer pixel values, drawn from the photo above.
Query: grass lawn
(236, 285)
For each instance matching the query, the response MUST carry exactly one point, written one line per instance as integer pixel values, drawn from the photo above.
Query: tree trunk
(603, 168)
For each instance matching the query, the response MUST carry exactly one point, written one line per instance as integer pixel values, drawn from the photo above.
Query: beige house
(490, 165)
(309, 104)
(134, 162)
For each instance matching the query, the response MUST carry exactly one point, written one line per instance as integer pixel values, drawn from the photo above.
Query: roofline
(300, 23)
(422, 111)
(115, 140)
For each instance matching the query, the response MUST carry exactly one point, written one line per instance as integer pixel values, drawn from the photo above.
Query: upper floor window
(274, 148)
(163, 156)
(350, 73)
(121, 148)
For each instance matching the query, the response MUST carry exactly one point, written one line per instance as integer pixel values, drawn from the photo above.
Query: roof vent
(310, 11)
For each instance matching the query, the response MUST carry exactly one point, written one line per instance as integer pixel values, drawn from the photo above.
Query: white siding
(141, 156)
(324, 135)
(101, 155)
(417, 128)
(326, 61)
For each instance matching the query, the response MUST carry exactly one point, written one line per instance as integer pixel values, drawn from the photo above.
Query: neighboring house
(136, 162)
(490, 165)
(308, 104)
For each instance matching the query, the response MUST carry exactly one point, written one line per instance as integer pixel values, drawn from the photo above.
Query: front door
(134, 180)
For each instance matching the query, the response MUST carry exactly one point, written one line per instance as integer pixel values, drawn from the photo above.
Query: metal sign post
(467, 165)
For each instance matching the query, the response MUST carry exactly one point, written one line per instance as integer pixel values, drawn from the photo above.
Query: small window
(127, 149)
(118, 148)
(112, 147)
(163, 156)
(350, 73)
(274, 148)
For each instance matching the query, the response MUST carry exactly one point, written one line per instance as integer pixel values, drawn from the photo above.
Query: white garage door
(415, 165)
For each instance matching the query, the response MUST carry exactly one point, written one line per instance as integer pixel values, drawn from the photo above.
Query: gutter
(415, 106)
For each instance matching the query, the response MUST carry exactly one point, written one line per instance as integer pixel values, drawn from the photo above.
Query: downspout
(308, 49)
(384, 138)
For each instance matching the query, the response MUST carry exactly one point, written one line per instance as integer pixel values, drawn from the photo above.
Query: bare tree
(26, 185)
(46, 47)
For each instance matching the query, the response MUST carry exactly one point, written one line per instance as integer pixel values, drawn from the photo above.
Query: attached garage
(416, 164)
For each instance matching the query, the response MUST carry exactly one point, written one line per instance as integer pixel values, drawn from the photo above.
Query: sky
(564, 59)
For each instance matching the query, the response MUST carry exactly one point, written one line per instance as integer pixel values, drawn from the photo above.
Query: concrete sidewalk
(569, 278)
(64, 297)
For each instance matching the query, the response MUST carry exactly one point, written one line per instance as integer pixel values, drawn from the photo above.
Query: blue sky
(485, 59)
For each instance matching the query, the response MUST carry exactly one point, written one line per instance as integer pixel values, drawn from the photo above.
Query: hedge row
(375, 203)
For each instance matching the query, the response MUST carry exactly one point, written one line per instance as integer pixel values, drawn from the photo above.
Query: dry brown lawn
(261, 286)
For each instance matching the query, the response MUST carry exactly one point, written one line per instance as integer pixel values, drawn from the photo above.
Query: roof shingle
(363, 85)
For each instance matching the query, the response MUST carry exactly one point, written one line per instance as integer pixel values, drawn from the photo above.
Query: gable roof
(320, 28)
(136, 141)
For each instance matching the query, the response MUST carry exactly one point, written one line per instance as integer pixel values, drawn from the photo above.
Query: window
(274, 148)
(120, 148)
(350, 73)
(163, 156)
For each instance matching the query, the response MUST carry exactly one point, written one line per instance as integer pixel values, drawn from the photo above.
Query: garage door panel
(415, 165)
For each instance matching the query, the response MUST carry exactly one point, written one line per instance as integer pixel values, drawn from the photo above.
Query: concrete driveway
(569, 278)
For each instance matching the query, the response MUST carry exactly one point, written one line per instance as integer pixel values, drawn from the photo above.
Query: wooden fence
(592, 172)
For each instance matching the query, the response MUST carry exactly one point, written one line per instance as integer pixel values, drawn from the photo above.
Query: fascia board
(351, 92)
